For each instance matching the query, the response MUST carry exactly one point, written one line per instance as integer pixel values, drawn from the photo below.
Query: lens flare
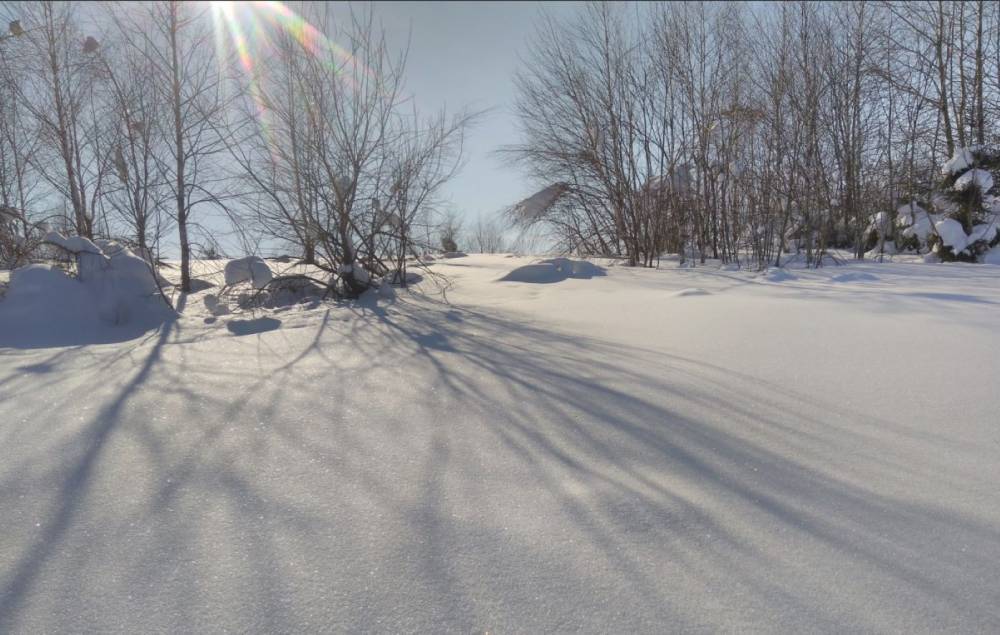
(250, 28)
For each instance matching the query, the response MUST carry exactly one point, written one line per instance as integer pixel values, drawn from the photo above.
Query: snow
(952, 234)
(596, 455)
(982, 180)
(984, 231)
(961, 160)
(880, 222)
(906, 213)
(992, 257)
(887, 248)
(922, 228)
(74, 244)
(252, 269)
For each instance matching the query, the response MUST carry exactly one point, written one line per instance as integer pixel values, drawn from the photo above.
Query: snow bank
(251, 269)
(554, 270)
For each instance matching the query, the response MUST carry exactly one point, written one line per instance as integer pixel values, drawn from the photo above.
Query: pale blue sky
(464, 54)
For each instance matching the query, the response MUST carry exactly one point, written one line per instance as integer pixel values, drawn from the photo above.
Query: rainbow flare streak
(250, 25)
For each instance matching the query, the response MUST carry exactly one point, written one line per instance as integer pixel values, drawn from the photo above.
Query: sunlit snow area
(511, 444)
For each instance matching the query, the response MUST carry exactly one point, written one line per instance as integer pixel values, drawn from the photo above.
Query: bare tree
(339, 166)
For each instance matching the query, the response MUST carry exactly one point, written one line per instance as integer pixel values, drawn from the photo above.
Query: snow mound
(683, 293)
(554, 270)
(251, 269)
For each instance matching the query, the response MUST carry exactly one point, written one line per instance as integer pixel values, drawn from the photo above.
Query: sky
(464, 54)
(461, 55)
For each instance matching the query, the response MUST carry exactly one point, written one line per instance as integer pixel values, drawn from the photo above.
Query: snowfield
(579, 447)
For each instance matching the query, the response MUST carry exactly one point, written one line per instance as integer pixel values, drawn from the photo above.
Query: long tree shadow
(76, 483)
(396, 440)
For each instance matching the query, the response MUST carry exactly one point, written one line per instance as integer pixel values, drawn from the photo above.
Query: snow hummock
(252, 269)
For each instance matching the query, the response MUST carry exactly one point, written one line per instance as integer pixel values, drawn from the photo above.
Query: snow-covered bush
(969, 214)
(914, 226)
(965, 222)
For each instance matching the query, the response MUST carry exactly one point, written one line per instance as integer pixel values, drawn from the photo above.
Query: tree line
(753, 133)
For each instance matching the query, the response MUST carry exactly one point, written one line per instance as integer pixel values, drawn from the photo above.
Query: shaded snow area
(685, 449)
(553, 270)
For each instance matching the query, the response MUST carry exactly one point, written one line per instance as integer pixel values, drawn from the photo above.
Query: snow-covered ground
(590, 448)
